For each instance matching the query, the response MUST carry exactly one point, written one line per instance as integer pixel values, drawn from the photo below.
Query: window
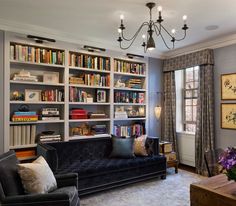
(190, 94)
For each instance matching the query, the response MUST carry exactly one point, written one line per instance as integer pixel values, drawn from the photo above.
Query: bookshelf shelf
(39, 122)
(86, 86)
(130, 89)
(90, 70)
(129, 104)
(23, 146)
(36, 64)
(89, 136)
(129, 74)
(90, 120)
(37, 83)
(86, 103)
(130, 119)
(39, 102)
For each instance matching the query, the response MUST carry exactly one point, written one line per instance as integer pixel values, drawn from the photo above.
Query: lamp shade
(158, 112)
(150, 43)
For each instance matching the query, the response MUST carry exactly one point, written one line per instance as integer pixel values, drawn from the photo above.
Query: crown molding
(22, 28)
(211, 44)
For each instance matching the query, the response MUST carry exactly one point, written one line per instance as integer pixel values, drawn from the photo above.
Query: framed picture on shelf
(228, 115)
(228, 86)
(32, 95)
(51, 77)
(101, 95)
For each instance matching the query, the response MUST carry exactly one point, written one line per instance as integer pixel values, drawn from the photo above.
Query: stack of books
(29, 116)
(93, 115)
(99, 129)
(134, 83)
(166, 149)
(76, 80)
(50, 114)
(46, 138)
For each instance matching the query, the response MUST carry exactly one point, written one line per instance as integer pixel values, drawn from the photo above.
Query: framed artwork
(32, 95)
(101, 95)
(51, 77)
(228, 115)
(228, 86)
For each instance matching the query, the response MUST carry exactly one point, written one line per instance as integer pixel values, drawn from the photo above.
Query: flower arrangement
(228, 161)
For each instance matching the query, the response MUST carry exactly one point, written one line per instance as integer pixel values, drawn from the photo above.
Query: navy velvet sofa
(96, 170)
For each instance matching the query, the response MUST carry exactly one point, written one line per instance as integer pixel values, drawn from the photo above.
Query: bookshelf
(88, 81)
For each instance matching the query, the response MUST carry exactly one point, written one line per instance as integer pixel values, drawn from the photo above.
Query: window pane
(189, 75)
(196, 70)
(188, 102)
(195, 84)
(188, 93)
(188, 113)
(195, 93)
(189, 85)
(190, 127)
(194, 101)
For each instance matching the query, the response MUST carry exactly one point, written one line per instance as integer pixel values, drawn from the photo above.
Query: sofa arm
(58, 199)
(50, 155)
(152, 145)
(64, 180)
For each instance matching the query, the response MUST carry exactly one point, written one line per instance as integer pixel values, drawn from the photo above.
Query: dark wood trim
(221, 115)
(221, 77)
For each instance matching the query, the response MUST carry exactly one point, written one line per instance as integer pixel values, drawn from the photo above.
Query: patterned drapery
(169, 131)
(203, 57)
(205, 133)
(205, 136)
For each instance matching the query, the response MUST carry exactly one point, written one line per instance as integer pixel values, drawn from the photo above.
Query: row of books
(91, 80)
(78, 95)
(52, 95)
(129, 97)
(37, 55)
(91, 62)
(128, 131)
(134, 83)
(128, 67)
(22, 135)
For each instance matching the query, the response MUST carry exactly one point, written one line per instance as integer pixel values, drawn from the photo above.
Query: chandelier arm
(134, 38)
(166, 31)
(156, 28)
(183, 37)
(165, 42)
(137, 32)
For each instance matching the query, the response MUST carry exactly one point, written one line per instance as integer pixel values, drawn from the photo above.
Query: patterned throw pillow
(37, 177)
(139, 146)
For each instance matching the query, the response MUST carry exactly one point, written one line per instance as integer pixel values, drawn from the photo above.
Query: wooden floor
(187, 168)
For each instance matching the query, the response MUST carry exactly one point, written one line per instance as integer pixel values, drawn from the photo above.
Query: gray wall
(155, 85)
(1, 91)
(225, 62)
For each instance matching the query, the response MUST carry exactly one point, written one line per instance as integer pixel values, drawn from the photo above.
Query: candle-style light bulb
(184, 18)
(143, 36)
(122, 17)
(173, 31)
(159, 8)
(119, 31)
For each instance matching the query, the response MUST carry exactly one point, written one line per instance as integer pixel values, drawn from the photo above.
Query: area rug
(173, 191)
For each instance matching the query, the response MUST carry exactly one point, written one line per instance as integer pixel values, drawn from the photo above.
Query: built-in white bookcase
(67, 69)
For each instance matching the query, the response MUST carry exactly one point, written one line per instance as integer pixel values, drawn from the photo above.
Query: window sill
(186, 133)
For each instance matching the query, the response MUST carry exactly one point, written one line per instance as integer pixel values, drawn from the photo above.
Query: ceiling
(95, 22)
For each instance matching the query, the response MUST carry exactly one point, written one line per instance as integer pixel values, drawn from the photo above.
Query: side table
(173, 163)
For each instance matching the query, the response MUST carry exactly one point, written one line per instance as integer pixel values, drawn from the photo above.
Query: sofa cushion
(106, 166)
(122, 147)
(140, 147)
(9, 177)
(37, 177)
(71, 192)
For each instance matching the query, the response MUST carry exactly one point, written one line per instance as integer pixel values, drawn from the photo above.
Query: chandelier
(153, 27)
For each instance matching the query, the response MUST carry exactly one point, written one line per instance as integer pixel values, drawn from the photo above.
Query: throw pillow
(122, 147)
(37, 177)
(139, 146)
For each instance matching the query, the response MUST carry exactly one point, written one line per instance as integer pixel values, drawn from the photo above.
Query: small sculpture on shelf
(119, 84)
(17, 96)
(24, 76)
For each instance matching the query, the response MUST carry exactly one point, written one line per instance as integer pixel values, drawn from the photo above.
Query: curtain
(205, 133)
(169, 131)
(205, 136)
